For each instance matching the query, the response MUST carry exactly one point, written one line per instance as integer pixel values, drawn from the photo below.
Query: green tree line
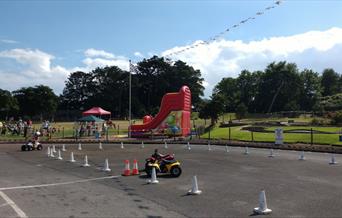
(280, 87)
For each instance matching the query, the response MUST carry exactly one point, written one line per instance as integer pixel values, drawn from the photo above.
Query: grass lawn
(238, 134)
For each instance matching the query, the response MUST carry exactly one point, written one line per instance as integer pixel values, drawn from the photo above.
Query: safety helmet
(38, 133)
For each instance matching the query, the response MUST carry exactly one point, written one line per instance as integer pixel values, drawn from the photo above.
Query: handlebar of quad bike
(164, 157)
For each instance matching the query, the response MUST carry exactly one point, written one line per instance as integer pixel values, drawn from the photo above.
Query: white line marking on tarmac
(15, 207)
(56, 184)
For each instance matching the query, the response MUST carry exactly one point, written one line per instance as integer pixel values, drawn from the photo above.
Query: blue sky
(41, 42)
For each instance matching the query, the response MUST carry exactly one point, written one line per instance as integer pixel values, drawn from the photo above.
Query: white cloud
(100, 58)
(35, 69)
(8, 41)
(138, 54)
(97, 53)
(226, 58)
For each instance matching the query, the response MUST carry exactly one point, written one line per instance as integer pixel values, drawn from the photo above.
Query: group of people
(13, 127)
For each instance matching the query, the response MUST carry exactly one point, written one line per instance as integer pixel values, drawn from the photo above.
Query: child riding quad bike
(163, 164)
(33, 144)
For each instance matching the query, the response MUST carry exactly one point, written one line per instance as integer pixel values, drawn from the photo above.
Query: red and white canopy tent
(96, 111)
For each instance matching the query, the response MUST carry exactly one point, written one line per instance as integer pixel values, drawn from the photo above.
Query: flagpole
(130, 102)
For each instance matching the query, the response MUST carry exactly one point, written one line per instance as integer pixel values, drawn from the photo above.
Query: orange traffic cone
(127, 171)
(135, 170)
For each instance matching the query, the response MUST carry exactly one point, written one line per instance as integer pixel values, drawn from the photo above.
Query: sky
(42, 42)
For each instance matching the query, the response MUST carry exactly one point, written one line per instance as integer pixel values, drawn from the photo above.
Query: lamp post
(130, 102)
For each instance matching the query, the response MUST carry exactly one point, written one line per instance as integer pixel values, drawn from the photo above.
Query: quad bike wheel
(176, 171)
(23, 148)
(39, 147)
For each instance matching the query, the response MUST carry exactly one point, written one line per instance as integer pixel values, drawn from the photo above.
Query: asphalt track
(33, 185)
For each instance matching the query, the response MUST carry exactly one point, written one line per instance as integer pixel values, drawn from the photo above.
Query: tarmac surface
(34, 185)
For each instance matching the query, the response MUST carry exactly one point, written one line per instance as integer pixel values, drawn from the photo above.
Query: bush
(336, 118)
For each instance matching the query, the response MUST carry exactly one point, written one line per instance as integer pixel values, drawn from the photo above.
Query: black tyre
(39, 147)
(23, 147)
(148, 169)
(176, 171)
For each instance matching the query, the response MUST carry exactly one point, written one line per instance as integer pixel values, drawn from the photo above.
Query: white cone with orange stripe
(142, 145)
(165, 145)
(63, 147)
(188, 146)
(135, 170)
(79, 147)
(100, 145)
(122, 145)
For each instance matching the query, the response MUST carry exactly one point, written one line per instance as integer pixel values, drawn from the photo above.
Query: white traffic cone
(246, 150)
(153, 179)
(271, 153)
(54, 149)
(48, 152)
(79, 147)
(227, 149)
(165, 145)
(51, 153)
(72, 159)
(209, 146)
(122, 145)
(59, 155)
(188, 146)
(86, 164)
(333, 161)
(194, 189)
(262, 209)
(106, 166)
(301, 156)
(100, 145)
(63, 147)
(142, 145)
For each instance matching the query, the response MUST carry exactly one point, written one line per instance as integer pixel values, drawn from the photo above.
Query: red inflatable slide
(173, 118)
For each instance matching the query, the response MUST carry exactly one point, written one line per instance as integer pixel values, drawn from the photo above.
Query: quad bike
(164, 164)
(29, 146)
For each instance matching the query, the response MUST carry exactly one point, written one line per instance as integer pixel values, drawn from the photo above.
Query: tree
(228, 89)
(279, 88)
(311, 89)
(39, 100)
(8, 104)
(248, 84)
(212, 109)
(110, 90)
(330, 82)
(77, 91)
